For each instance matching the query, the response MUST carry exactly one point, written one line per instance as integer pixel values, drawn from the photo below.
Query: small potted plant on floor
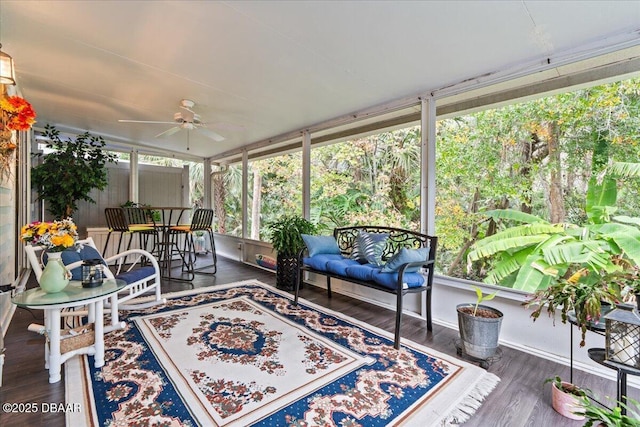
(479, 327)
(286, 238)
(566, 398)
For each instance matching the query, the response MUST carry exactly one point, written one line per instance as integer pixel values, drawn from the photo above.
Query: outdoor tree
(71, 171)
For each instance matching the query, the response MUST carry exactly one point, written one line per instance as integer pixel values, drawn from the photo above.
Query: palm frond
(626, 237)
(627, 219)
(514, 215)
(521, 231)
(625, 169)
(502, 245)
(530, 278)
(598, 195)
(508, 265)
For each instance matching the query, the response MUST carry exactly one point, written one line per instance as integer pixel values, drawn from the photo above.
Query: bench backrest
(398, 238)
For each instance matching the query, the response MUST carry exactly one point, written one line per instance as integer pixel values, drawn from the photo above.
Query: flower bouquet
(54, 236)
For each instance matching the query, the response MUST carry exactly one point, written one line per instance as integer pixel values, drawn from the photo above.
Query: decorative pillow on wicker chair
(368, 247)
(75, 254)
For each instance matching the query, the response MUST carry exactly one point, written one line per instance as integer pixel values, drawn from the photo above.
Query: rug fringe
(472, 402)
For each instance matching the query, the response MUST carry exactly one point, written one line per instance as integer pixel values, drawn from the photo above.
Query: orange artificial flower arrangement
(15, 114)
(19, 113)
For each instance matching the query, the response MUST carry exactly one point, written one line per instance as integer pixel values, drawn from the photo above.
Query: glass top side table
(74, 295)
(74, 292)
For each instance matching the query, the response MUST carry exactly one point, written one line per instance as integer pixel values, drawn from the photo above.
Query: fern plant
(286, 234)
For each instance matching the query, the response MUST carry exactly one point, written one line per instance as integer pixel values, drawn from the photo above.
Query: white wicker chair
(141, 279)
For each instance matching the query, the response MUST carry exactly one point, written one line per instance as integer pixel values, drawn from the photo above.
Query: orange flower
(18, 114)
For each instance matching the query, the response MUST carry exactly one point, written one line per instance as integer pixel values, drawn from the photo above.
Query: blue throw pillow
(73, 254)
(368, 247)
(321, 244)
(404, 256)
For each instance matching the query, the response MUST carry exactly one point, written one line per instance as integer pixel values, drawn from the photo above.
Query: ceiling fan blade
(168, 132)
(211, 134)
(145, 121)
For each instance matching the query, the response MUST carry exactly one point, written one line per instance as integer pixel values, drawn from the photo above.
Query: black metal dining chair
(141, 222)
(118, 222)
(201, 221)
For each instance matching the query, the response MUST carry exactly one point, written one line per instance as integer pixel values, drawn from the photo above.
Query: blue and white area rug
(243, 355)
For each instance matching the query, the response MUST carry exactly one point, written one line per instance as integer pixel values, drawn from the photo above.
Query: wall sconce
(7, 71)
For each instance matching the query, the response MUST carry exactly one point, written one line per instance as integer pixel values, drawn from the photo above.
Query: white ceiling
(259, 69)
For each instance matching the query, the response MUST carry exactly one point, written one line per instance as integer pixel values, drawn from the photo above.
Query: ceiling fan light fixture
(7, 70)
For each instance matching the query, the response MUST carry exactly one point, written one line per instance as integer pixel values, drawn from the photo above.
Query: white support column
(134, 177)
(206, 189)
(428, 166)
(306, 174)
(245, 198)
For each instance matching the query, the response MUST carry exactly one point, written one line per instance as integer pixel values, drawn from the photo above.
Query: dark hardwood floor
(519, 400)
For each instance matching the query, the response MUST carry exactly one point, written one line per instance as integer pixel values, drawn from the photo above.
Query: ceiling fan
(187, 119)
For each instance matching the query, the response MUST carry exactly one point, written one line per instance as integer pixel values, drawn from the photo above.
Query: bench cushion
(390, 280)
(137, 274)
(362, 272)
(319, 262)
(339, 266)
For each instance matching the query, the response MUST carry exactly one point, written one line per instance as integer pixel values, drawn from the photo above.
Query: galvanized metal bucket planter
(479, 335)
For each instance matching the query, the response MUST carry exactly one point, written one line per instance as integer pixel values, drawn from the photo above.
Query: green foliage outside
(536, 158)
(68, 174)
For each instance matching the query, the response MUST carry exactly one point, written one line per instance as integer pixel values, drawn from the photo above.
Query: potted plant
(582, 295)
(566, 398)
(286, 238)
(71, 172)
(479, 327)
(602, 416)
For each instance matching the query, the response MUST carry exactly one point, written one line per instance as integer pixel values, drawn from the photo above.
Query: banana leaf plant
(566, 266)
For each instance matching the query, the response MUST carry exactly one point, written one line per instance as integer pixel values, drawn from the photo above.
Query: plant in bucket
(479, 326)
(55, 237)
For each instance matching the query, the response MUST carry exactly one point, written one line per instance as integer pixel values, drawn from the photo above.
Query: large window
(372, 180)
(274, 190)
(536, 157)
(226, 183)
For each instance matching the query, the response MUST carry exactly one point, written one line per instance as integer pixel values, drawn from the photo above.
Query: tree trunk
(255, 204)
(470, 241)
(556, 199)
(219, 198)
